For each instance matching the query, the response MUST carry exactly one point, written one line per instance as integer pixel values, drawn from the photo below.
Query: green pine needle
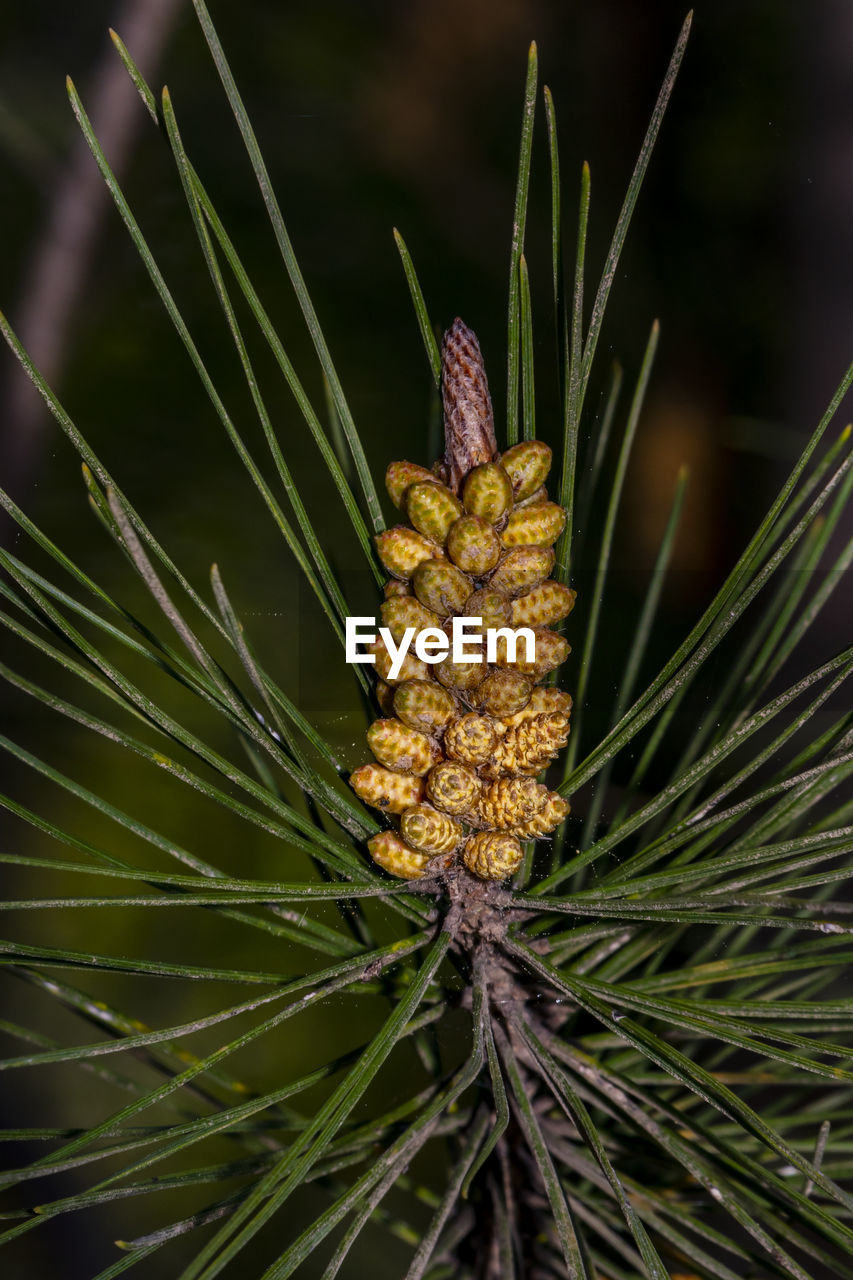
(635, 1065)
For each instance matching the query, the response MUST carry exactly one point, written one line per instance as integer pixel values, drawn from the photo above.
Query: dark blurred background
(375, 114)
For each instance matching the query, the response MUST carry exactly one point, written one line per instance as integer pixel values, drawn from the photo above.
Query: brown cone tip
(469, 424)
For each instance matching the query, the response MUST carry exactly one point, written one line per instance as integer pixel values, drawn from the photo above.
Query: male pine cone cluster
(460, 745)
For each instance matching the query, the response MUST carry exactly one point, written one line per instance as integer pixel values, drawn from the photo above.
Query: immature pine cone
(530, 746)
(460, 743)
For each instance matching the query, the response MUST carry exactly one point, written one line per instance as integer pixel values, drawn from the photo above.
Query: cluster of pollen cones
(461, 743)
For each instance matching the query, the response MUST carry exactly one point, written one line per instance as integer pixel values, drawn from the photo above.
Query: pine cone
(510, 802)
(395, 856)
(530, 746)
(543, 823)
(454, 788)
(478, 543)
(386, 790)
(492, 855)
(471, 739)
(429, 831)
(400, 748)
